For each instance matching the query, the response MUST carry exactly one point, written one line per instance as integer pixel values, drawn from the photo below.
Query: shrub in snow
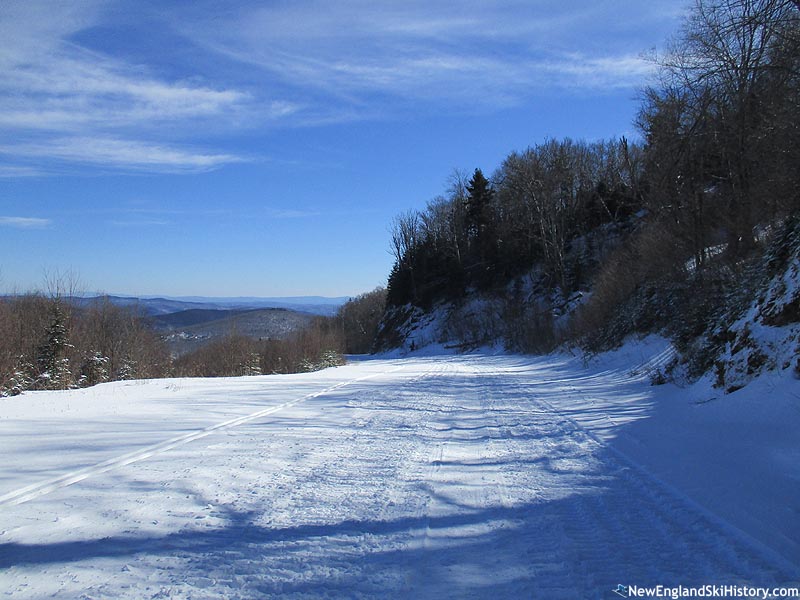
(94, 370)
(57, 377)
(328, 358)
(20, 379)
(127, 370)
(306, 366)
(252, 366)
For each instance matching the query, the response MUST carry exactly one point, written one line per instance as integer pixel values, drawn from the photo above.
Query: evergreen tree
(479, 224)
(54, 369)
(478, 203)
(19, 380)
(94, 369)
(127, 370)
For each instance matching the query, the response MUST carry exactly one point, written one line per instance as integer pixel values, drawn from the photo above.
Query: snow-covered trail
(435, 477)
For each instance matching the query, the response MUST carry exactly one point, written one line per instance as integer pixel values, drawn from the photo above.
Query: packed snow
(479, 476)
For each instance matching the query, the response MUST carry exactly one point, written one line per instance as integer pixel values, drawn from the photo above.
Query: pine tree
(19, 380)
(94, 370)
(127, 369)
(54, 368)
(480, 226)
(478, 203)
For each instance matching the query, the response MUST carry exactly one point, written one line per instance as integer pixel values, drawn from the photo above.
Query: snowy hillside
(766, 335)
(482, 476)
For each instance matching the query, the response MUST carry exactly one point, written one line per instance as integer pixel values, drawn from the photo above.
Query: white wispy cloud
(25, 222)
(250, 65)
(488, 54)
(121, 153)
(71, 104)
(75, 93)
(15, 171)
(606, 72)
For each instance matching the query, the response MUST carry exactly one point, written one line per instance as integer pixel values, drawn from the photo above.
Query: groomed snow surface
(477, 476)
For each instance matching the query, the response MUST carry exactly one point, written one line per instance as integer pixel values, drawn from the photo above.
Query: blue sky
(262, 148)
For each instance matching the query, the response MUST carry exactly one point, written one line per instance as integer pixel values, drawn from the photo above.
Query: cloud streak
(122, 154)
(486, 54)
(16, 171)
(72, 97)
(25, 222)
(69, 104)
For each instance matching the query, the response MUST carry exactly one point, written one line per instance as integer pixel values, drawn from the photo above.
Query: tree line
(51, 341)
(321, 344)
(484, 232)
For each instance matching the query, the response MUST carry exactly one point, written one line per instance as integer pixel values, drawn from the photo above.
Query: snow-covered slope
(426, 477)
(766, 337)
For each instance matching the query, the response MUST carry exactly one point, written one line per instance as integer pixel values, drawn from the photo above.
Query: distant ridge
(188, 330)
(164, 305)
(337, 300)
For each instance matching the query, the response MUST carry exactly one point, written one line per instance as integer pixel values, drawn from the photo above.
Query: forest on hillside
(586, 243)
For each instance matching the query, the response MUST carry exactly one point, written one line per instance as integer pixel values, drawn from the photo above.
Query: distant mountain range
(188, 330)
(156, 305)
(188, 323)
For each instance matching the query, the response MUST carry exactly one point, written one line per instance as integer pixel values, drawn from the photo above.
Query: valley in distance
(187, 323)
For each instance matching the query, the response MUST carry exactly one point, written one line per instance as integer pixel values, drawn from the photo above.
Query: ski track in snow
(34, 491)
(418, 478)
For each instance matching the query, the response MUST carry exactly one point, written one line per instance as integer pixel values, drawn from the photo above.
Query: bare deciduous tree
(727, 90)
